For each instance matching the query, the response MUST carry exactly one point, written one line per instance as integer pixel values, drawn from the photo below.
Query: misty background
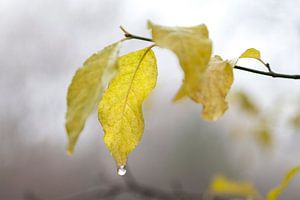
(42, 43)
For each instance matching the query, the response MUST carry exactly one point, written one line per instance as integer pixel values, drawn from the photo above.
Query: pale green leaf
(275, 192)
(120, 109)
(86, 88)
(193, 48)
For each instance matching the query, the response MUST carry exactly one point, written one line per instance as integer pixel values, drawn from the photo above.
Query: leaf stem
(269, 73)
(132, 36)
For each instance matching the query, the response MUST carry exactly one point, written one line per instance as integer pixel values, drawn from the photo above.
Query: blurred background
(42, 43)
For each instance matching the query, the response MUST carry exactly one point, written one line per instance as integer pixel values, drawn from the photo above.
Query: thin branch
(269, 73)
(131, 185)
(268, 67)
(132, 36)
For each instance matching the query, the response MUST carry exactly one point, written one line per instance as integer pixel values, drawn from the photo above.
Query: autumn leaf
(249, 53)
(220, 185)
(120, 109)
(252, 53)
(86, 88)
(275, 192)
(264, 135)
(246, 103)
(213, 87)
(193, 49)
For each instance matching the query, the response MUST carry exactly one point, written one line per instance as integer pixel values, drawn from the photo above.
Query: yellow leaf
(206, 82)
(193, 49)
(251, 53)
(85, 90)
(275, 192)
(222, 186)
(264, 135)
(120, 109)
(213, 87)
(246, 103)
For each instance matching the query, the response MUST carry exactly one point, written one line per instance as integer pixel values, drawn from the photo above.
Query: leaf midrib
(131, 83)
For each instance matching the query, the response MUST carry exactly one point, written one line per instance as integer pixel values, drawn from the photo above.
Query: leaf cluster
(131, 77)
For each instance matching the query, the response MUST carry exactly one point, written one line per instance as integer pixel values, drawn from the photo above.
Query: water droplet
(122, 170)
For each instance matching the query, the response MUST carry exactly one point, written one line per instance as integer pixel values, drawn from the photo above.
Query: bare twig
(130, 185)
(267, 65)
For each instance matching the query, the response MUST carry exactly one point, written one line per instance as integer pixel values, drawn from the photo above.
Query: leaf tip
(181, 93)
(69, 153)
(276, 192)
(70, 148)
(209, 114)
(149, 24)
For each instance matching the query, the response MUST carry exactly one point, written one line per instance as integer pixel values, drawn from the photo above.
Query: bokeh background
(43, 42)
